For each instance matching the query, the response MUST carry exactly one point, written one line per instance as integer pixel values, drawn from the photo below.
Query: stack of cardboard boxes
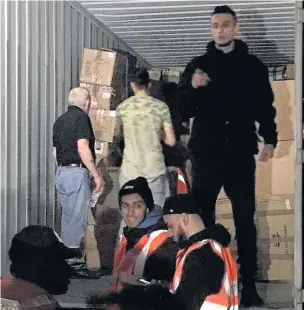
(275, 195)
(166, 75)
(104, 73)
(103, 223)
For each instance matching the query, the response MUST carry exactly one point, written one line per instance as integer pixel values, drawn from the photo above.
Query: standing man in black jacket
(227, 90)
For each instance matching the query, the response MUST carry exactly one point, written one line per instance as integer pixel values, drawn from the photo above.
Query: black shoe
(250, 296)
(85, 273)
(106, 271)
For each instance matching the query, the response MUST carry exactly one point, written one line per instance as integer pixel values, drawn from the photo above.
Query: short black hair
(224, 9)
(140, 77)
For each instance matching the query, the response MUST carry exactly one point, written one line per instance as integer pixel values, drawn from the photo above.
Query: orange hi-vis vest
(132, 262)
(227, 297)
(181, 183)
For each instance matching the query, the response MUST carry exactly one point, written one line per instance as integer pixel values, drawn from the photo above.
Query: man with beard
(227, 90)
(206, 273)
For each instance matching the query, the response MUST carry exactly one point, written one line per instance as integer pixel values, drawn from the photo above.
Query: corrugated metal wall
(41, 51)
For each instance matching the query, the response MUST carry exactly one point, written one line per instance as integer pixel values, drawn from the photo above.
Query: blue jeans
(73, 187)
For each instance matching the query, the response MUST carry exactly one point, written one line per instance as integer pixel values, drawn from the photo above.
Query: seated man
(144, 249)
(38, 270)
(206, 273)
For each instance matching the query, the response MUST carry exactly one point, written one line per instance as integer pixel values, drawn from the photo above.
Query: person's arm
(118, 125)
(265, 111)
(55, 155)
(55, 142)
(83, 134)
(161, 264)
(169, 138)
(187, 97)
(202, 275)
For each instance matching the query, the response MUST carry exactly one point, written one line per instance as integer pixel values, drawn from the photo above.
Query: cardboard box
(103, 223)
(171, 76)
(274, 221)
(103, 122)
(276, 176)
(155, 74)
(284, 93)
(101, 96)
(276, 267)
(106, 236)
(107, 209)
(102, 67)
(101, 151)
(91, 248)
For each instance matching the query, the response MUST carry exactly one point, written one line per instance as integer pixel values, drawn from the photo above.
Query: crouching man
(206, 272)
(144, 249)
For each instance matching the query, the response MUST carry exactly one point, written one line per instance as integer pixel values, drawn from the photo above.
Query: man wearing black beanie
(144, 249)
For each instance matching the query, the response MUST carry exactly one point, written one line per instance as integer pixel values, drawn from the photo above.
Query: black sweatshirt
(238, 95)
(203, 269)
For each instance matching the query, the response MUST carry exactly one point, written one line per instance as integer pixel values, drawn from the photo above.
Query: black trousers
(236, 173)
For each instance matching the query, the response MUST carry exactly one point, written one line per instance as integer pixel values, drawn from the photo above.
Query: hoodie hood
(152, 222)
(217, 233)
(152, 217)
(239, 47)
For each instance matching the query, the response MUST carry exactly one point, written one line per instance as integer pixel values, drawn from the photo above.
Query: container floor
(275, 295)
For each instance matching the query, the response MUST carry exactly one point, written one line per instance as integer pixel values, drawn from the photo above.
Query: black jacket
(161, 264)
(203, 269)
(225, 110)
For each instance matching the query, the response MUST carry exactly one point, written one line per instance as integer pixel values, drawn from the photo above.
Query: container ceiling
(170, 33)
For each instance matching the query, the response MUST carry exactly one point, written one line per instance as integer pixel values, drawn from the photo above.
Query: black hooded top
(238, 94)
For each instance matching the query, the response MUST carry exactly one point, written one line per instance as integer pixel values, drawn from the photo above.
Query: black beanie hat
(138, 186)
(181, 203)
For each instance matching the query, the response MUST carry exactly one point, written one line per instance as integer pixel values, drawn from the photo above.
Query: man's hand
(99, 182)
(266, 153)
(163, 284)
(199, 78)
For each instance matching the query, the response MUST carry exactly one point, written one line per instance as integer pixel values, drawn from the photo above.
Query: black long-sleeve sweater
(238, 95)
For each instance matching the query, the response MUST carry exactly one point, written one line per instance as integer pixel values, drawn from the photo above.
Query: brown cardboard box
(100, 245)
(101, 96)
(107, 209)
(171, 76)
(103, 223)
(101, 151)
(276, 176)
(274, 221)
(91, 249)
(105, 220)
(155, 74)
(102, 67)
(103, 122)
(284, 92)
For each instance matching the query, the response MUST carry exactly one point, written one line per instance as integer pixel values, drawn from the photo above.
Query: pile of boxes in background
(104, 74)
(275, 195)
(165, 75)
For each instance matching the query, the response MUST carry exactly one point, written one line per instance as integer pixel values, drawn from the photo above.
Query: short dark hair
(140, 77)
(224, 9)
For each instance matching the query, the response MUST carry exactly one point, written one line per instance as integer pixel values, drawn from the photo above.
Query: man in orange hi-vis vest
(206, 275)
(144, 249)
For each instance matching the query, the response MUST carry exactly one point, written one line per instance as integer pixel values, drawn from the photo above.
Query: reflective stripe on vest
(181, 183)
(227, 297)
(132, 262)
